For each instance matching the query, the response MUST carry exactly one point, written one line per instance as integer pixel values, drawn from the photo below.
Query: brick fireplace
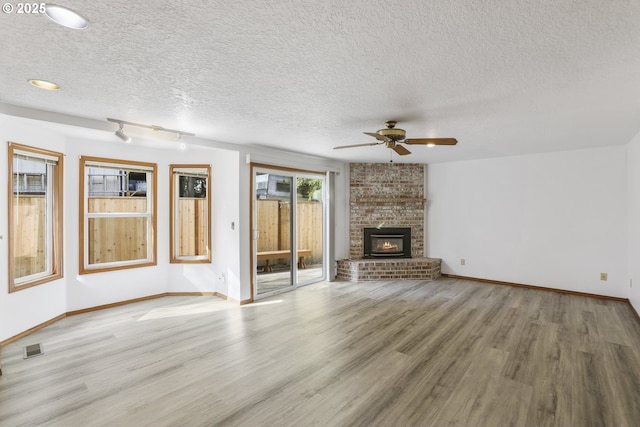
(387, 195)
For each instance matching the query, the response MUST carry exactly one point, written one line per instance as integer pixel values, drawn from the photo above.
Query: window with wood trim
(35, 216)
(190, 213)
(117, 207)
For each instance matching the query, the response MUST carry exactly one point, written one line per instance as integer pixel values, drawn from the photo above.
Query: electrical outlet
(603, 277)
(462, 261)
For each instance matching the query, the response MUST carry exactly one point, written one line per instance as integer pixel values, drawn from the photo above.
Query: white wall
(96, 289)
(228, 274)
(27, 308)
(225, 240)
(24, 309)
(554, 220)
(633, 168)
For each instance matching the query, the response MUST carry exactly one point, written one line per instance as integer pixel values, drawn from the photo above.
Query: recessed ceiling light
(43, 84)
(65, 17)
(431, 145)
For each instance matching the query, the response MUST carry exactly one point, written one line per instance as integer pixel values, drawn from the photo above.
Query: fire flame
(389, 246)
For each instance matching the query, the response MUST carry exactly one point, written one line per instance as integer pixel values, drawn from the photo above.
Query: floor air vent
(33, 350)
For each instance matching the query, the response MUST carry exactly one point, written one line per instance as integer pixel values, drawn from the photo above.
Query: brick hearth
(367, 270)
(388, 195)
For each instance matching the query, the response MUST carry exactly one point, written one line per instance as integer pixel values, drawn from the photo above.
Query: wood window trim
(173, 257)
(57, 212)
(82, 216)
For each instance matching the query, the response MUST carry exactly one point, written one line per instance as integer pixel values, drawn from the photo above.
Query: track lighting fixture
(120, 134)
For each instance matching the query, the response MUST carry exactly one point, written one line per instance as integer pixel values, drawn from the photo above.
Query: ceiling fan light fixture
(44, 84)
(65, 17)
(393, 134)
(391, 137)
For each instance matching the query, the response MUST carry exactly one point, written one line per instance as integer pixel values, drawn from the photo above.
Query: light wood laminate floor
(443, 353)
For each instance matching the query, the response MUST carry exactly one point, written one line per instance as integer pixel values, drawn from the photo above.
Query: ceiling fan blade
(401, 150)
(434, 141)
(357, 145)
(378, 136)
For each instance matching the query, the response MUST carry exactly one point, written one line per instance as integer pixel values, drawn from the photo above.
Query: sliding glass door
(288, 229)
(272, 236)
(310, 215)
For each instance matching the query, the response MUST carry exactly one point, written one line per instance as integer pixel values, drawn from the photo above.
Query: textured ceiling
(503, 77)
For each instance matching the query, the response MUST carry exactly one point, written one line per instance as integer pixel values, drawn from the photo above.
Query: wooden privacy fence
(193, 226)
(110, 239)
(120, 239)
(117, 239)
(273, 221)
(29, 243)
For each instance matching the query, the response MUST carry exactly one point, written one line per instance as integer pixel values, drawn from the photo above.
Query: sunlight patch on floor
(186, 310)
(255, 304)
(198, 308)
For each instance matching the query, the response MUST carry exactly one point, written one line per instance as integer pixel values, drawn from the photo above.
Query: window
(35, 216)
(117, 204)
(190, 215)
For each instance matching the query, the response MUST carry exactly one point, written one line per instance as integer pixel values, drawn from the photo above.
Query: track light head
(120, 134)
(181, 144)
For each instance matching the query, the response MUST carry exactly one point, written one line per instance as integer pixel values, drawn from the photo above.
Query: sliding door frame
(261, 167)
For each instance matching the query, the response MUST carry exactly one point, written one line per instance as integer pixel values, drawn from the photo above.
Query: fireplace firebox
(387, 243)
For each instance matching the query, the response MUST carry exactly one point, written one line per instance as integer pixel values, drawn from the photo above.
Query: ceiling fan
(391, 136)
